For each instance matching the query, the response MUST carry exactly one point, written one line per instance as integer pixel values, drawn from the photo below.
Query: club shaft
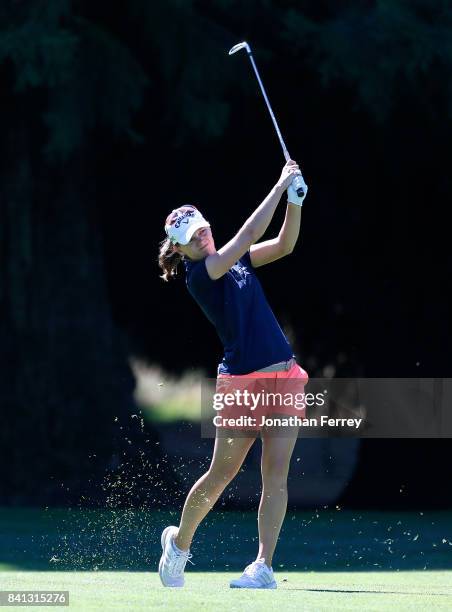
(278, 131)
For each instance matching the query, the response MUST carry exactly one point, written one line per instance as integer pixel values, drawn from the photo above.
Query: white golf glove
(292, 196)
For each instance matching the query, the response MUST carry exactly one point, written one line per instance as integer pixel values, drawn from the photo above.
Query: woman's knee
(226, 462)
(275, 474)
(222, 474)
(276, 455)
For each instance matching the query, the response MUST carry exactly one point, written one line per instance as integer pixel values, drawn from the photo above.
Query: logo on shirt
(239, 274)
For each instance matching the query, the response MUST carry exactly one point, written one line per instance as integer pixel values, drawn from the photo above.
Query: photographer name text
(289, 421)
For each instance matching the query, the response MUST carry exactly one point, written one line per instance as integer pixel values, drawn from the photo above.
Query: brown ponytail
(169, 259)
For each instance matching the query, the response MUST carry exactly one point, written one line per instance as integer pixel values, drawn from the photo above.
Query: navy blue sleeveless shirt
(236, 305)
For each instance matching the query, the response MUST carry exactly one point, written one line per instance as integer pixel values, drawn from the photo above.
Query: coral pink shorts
(247, 399)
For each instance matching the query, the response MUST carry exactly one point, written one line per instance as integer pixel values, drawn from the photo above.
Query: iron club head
(242, 45)
(245, 45)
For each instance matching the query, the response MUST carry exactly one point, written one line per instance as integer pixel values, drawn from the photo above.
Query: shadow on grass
(368, 591)
(129, 539)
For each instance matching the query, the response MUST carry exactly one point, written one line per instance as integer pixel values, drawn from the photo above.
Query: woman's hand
(288, 173)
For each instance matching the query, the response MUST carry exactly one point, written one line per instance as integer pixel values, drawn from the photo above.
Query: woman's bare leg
(228, 456)
(276, 454)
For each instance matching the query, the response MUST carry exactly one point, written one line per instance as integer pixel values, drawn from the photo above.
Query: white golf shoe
(173, 561)
(257, 575)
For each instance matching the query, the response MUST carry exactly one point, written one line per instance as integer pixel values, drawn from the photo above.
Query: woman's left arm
(270, 250)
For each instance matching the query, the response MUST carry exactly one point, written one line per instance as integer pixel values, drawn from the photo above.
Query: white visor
(184, 225)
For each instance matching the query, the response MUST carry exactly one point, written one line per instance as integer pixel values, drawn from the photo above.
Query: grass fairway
(210, 591)
(326, 560)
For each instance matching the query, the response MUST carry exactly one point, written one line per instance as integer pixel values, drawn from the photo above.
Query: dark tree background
(112, 114)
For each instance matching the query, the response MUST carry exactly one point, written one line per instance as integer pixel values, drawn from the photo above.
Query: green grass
(210, 591)
(326, 560)
(167, 399)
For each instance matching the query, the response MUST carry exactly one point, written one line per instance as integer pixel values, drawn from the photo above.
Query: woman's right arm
(254, 227)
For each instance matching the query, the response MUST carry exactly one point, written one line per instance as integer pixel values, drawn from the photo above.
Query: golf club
(296, 183)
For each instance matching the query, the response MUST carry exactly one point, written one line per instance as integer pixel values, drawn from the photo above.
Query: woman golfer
(255, 349)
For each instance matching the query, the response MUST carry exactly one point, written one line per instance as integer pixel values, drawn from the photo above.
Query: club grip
(297, 184)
